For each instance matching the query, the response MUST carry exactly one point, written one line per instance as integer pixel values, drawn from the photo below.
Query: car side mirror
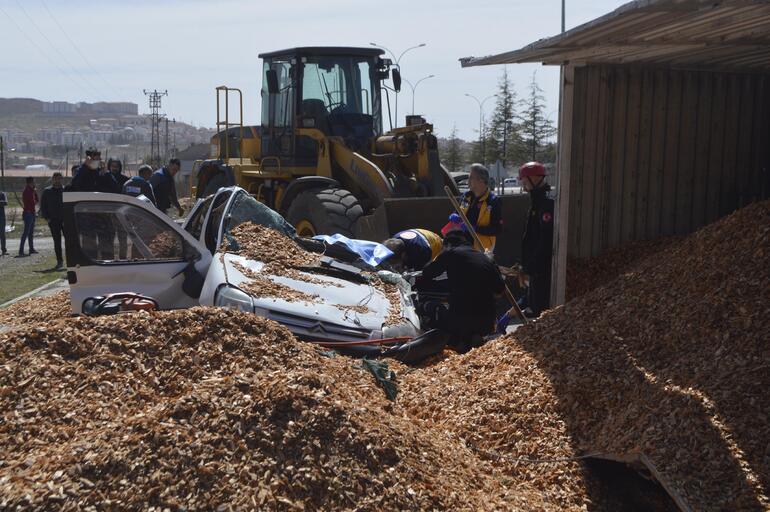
(396, 79)
(271, 76)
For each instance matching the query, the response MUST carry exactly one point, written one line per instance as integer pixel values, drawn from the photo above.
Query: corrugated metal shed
(665, 121)
(726, 34)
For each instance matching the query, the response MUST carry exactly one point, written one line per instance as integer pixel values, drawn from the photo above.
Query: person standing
(537, 242)
(3, 204)
(474, 281)
(51, 209)
(113, 180)
(482, 208)
(29, 201)
(86, 175)
(140, 185)
(162, 182)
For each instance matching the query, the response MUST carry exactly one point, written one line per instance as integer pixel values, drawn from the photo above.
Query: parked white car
(118, 243)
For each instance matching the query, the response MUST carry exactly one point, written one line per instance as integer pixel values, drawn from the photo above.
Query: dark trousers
(56, 226)
(2, 230)
(539, 293)
(29, 231)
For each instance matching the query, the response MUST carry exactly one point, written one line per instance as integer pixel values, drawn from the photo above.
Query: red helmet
(531, 169)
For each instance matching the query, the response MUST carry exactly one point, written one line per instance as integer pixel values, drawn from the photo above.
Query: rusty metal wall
(659, 152)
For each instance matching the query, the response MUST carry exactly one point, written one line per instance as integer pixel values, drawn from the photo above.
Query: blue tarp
(371, 253)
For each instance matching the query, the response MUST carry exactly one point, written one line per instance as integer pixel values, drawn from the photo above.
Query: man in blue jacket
(162, 182)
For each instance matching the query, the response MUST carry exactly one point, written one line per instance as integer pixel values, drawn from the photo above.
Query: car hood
(330, 315)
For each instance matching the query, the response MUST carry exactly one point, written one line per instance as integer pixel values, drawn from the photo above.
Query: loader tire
(325, 212)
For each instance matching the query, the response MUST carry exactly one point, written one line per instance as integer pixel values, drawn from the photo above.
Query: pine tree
(454, 151)
(503, 124)
(536, 128)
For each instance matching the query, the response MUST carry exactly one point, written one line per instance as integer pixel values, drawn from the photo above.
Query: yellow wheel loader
(321, 156)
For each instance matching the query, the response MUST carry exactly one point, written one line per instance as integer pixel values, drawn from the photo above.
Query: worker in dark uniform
(536, 244)
(140, 185)
(52, 210)
(110, 181)
(413, 249)
(163, 184)
(482, 208)
(474, 281)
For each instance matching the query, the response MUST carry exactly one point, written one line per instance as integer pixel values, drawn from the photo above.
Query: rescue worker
(482, 208)
(162, 182)
(413, 249)
(474, 281)
(140, 185)
(536, 244)
(52, 210)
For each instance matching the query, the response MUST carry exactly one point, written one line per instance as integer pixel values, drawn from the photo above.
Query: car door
(118, 243)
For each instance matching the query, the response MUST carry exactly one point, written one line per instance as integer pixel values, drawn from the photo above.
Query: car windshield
(245, 208)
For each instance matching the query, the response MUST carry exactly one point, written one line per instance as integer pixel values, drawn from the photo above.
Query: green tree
(503, 130)
(478, 147)
(536, 128)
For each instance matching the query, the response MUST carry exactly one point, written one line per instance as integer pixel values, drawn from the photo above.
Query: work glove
(503, 322)
(455, 218)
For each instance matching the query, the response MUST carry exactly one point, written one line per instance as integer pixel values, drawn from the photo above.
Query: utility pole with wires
(155, 117)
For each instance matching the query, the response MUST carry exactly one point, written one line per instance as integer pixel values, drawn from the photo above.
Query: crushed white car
(118, 243)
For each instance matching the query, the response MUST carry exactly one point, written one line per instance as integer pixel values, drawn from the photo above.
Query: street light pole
(397, 62)
(481, 123)
(2, 165)
(414, 87)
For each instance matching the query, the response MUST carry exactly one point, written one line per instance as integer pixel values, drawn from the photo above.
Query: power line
(47, 57)
(64, 58)
(77, 49)
(155, 117)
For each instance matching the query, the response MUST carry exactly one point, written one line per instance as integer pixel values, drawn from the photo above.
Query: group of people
(474, 280)
(92, 175)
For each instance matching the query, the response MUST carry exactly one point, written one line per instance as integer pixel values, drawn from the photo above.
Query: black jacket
(137, 186)
(165, 189)
(111, 183)
(51, 204)
(474, 280)
(85, 179)
(537, 242)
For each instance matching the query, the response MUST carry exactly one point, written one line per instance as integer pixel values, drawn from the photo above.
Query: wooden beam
(561, 217)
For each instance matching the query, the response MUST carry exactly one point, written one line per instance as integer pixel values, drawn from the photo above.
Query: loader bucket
(398, 214)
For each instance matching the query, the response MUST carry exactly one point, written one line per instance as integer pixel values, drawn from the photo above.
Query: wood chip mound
(263, 244)
(37, 310)
(669, 360)
(212, 409)
(586, 274)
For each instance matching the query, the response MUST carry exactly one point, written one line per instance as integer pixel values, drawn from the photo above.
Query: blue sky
(189, 47)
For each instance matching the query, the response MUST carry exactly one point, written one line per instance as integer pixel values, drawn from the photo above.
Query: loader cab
(334, 90)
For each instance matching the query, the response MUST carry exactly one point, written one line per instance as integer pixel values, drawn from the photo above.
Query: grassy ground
(21, 275)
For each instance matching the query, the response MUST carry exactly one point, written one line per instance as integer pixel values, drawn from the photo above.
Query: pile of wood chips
(36, 310)
(263, 244)
(586, 274)
(669, 360)
(261, 286)
(211, 409)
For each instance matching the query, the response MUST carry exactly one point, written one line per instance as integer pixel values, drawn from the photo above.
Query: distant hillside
(14, 106)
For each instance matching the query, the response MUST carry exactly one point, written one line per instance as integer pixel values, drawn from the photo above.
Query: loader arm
(361, 172)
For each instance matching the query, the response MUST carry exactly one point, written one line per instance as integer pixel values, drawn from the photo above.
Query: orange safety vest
(485, 215)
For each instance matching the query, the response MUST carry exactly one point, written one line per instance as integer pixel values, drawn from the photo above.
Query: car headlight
(233, 298)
